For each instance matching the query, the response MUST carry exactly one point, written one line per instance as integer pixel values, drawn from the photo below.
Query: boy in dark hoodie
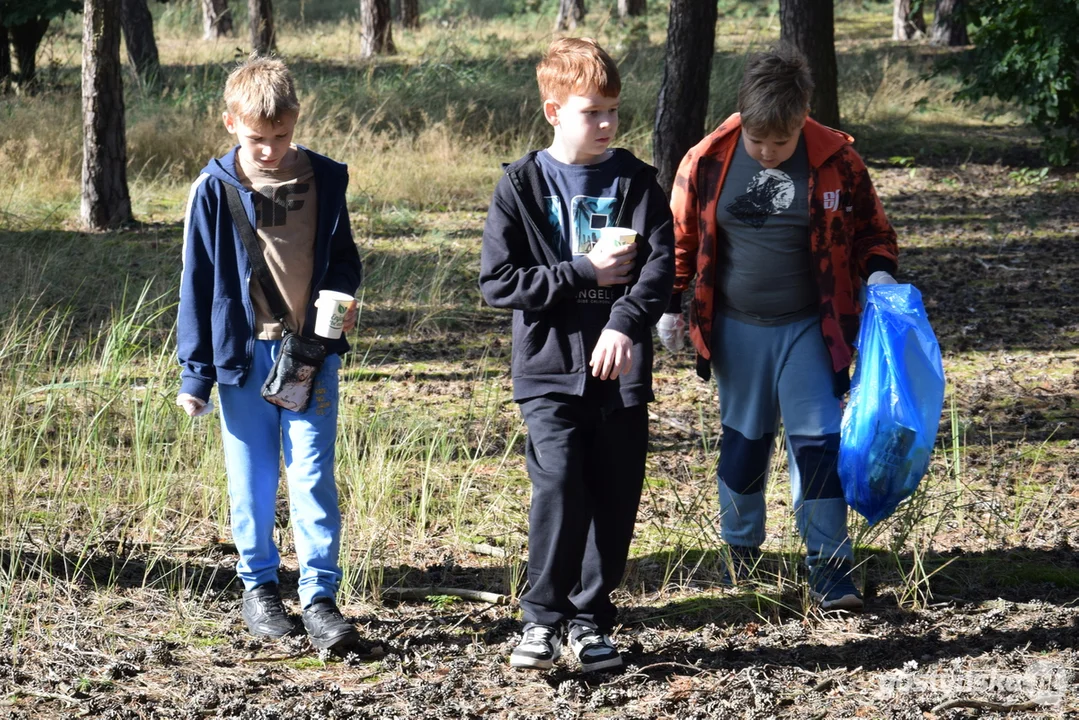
(227, 333)
(582, 347)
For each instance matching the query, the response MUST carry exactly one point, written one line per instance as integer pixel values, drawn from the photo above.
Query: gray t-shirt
(766, 278)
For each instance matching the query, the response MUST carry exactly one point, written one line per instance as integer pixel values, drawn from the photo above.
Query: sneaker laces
(270, 602)
(326, 607)
(538, 634)
(590, 641)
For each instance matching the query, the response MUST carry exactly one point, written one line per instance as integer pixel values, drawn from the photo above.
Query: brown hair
(775, 91)
(260, 89)
(576, 65)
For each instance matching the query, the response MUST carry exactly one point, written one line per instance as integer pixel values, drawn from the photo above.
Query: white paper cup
(332, 308)
(617, 236)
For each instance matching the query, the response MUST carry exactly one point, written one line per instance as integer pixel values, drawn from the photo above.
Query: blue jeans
(254, 434)
(764, 374)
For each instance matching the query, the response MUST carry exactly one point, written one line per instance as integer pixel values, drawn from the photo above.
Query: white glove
(882, 277)
(672, 331)
(193, 406)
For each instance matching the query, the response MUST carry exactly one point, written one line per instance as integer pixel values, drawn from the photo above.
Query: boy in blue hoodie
(227, 333)
(582, 347)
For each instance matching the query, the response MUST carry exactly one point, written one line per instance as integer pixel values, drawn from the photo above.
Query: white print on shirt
(769, 192)
(587, 216)
(595, 296)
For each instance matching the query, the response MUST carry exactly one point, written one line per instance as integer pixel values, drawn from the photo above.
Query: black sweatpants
(587, 469)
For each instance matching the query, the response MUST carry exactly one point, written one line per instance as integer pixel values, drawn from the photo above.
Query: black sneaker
(741, 564)
(326, 627)
(594, 649)
(540, 646)
(830, 584)
(265, 614)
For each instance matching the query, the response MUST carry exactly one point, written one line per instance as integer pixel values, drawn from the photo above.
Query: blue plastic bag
(897, 393)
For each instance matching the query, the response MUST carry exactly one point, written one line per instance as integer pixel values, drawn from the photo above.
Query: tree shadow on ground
(207, 570)
(890, 651)
(965, 578)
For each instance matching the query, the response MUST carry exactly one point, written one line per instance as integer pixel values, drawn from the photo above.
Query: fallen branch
(985, 705)
(273, 658)
(677, 425)
(47, 696)
(425, 592)
(485, 549)
(643, 672)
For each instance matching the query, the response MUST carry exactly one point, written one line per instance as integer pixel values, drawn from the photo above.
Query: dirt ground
(976, 617)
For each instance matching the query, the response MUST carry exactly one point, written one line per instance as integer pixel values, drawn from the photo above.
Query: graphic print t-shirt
(285, 215)
(766, 278)
(581, 200)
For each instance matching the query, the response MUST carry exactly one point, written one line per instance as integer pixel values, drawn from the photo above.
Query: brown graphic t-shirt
(285, 215)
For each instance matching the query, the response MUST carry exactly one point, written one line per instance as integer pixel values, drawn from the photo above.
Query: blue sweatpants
(764, 374)
(254, 434)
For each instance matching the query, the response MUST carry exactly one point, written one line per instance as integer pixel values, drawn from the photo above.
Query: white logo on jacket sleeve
(831, 199)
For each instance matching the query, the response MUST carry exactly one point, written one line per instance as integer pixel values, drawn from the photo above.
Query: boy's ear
(230, 124)
(550, 111)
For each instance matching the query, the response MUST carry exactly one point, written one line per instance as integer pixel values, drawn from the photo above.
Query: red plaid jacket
(847, 227)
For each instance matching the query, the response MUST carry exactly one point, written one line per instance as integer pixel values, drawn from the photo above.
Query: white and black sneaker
(540, 646)
(594, 649)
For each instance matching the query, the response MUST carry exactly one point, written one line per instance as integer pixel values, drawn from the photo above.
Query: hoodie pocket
(542, 344)
(230, 333)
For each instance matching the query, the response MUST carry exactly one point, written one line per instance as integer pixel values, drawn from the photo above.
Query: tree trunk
(809, 25)
(5, 61)
(138, 27)
(216, 19)
(570, 12)
(631, 8)
(410, 14)
(105, 200)
(683, 94)
(260, 15)
(376, 28)
(908, 22)
(949, 24)
(25, 39)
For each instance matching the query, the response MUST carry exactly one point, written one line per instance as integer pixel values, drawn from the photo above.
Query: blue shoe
(740, 565)
(831, 586)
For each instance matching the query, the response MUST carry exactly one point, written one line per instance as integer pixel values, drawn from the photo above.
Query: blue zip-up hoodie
(215, 338)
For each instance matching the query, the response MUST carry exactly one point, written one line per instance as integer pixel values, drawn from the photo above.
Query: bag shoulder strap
(256, 256)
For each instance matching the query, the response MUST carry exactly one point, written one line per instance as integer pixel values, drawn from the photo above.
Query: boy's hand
(881, 277)
(193, 406)
(613, 264)
(672, 331)
(613, 355)
(350, 317)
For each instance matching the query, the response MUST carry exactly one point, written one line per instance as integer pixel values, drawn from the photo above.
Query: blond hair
(576, 65)
(260, 89)
(775, 92)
